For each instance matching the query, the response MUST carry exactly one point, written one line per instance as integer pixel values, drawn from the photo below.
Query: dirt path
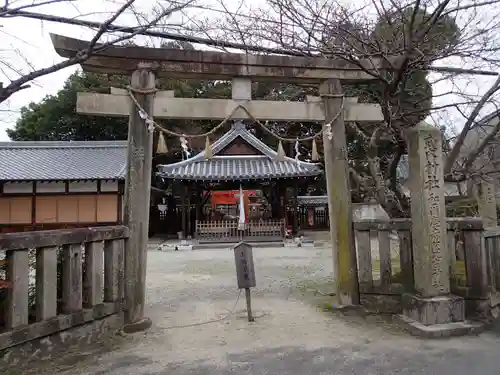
(291, 335)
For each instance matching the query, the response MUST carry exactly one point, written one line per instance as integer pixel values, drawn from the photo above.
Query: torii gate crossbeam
(186, 64)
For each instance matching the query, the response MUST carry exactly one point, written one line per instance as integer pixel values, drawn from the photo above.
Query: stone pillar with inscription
(430, 304)
(486, 201)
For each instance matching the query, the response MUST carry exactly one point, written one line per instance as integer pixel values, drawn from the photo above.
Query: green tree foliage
(404, 94)
(406, 91)
(433, 37)
(55, 119)
(414, 33)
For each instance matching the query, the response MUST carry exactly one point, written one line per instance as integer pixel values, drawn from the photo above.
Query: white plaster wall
(109, 185)
(18, 187)
(83, 186)
(50, 187)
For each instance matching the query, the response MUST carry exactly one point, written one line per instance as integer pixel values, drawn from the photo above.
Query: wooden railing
(54, 280)
(385, 259)
(231, 231)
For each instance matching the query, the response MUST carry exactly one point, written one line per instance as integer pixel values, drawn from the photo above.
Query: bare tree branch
(459, 142)
(450, 37)
(21, 82)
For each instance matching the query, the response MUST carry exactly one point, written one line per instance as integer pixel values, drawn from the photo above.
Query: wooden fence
(230, 231)
(385, 260)
(170, 223)
(310, 217)
(55, 280)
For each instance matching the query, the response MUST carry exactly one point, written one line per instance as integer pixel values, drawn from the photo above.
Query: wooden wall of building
(64, 204)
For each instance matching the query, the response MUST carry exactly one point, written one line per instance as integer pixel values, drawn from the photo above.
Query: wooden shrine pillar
(197, 203)
(188, 212)
(183, 211)
(274, 200)
(295, 221)
(282, 200)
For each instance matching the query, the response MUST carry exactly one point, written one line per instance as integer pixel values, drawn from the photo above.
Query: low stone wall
(375, 249)
(363, 211)
(372, 211)
(50, 347)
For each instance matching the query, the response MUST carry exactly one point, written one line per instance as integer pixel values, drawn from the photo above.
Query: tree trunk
(396, 209)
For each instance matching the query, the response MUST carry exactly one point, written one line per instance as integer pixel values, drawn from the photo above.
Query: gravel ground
(191, 294)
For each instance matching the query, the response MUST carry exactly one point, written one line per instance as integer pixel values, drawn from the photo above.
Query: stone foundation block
(434, 310)
(435, 317)
(436, 331)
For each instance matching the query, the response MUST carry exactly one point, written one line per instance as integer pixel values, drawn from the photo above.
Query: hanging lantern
(281, 151)
(314, 151)
(161, 148)
(208, 149)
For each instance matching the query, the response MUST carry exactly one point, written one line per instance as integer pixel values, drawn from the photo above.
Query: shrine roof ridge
(264, 166)
(63, 144)
(238, 129)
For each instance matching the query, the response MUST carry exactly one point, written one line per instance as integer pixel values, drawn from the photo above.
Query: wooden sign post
(245, 272)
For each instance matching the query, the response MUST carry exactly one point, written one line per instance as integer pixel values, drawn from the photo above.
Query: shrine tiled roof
(54, 160)
(264, 166)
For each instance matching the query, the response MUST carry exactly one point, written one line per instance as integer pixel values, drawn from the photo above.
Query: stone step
(230, 245)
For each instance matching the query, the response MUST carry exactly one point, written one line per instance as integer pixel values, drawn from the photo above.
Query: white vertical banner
(241, 220)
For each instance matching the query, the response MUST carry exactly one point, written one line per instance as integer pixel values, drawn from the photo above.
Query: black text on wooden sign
(245, 271)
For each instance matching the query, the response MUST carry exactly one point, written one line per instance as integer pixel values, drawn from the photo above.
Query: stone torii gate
(144, 63)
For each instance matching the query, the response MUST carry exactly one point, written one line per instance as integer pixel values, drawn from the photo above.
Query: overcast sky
(24, 41)
(29, 40)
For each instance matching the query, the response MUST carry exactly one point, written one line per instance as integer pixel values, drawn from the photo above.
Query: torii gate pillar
(339, 196)
(137, 199)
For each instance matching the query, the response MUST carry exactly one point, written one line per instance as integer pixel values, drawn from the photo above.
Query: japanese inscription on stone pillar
(428, 212)
(486, 197)
(435, 210)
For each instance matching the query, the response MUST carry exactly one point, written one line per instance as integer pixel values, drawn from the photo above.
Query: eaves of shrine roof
(62, 160)
(238, 167)
(312, 200)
